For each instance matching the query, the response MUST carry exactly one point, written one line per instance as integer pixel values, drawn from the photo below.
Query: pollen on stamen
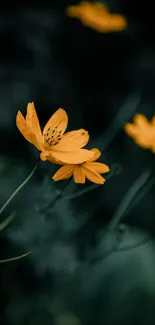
(53, 136)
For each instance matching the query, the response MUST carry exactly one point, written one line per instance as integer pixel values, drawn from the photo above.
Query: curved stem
(7, 221)
(14, 258)
(59, 195)
(18, 189)
(124, 113)
(129, 196)
(142, 193)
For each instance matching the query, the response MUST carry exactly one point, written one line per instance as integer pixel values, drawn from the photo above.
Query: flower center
(53, 136)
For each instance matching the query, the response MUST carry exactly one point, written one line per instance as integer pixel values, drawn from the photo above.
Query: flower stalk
(18, 189)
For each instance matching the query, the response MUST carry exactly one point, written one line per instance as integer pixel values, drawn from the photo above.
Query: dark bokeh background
(101, 80)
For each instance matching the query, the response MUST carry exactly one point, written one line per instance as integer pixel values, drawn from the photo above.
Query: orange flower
(97, 16)
(89, 169)
(142, 131)
(54, 145)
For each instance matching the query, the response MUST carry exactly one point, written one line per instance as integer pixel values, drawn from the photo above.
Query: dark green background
(78, 272)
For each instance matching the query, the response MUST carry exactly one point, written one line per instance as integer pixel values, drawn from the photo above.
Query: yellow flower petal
(33, 123)
(63, 172)
(141, 120)
(93, 176)
(153, 148)
(58, 121)
(68, 157)
(97, 16)
(78, 174)
(104, 24)
(153, 121)
(102, 8)
(142, 130)
(72, 141)
(131, 129)
(97, 154)
(22, 126)
(25, 130)
(143, 142)
(97, 167)
(73, 11)
(45, 153)
(117, 23)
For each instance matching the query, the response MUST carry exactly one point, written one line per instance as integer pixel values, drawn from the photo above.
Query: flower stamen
(53, 136)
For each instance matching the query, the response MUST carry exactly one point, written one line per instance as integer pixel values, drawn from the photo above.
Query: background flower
(142, 131)
(97, 16)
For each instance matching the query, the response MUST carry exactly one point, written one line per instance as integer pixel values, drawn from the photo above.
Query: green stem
(60, 193)
(79, 193)
(118, 122)
(18, 189)
(15, 258)
(7, 221)
(142, 193)
(129, 196)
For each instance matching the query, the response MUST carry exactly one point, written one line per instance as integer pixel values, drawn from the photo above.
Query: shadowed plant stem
(117, 124)
(11, 217)
(141, 194)
(59, 196)
(7, 221)
(18, 189)
(129, 196)
(15, 258)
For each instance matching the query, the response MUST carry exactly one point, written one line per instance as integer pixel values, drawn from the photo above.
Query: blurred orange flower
(142, 131)
(54, 145)
(89, 169)
(97, 16)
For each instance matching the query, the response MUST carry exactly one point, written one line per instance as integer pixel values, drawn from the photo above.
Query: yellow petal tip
(43, 156)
